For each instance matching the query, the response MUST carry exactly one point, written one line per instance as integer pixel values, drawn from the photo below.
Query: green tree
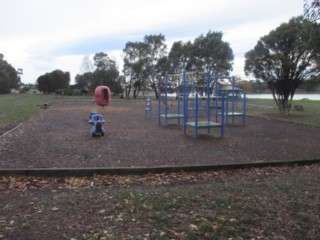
(179, 56)
(285, 58)
(244, 85)
(207, 52)
(103, 62)
(134, 67)
(211, 53)
(9, 77)
(156, 50)
(51, 82)
(258, 86)
(312, 10)
(141, 59)
(106, 73)
(311, 86)
(84, 81)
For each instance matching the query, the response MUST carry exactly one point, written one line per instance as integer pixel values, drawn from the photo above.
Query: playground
(273, 202)
(59, 137)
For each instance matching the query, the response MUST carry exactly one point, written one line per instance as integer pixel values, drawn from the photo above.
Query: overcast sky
(41, 36)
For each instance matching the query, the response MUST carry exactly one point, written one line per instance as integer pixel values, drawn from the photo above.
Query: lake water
(298, 96)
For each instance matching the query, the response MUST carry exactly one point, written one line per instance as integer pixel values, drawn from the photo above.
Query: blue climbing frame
(168, 116)
(233, 113)
(201, 124)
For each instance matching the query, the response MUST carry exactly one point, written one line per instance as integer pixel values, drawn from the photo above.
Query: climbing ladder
(148, 106)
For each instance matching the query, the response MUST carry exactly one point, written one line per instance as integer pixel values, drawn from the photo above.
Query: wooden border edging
(87, 172)
(11, 130)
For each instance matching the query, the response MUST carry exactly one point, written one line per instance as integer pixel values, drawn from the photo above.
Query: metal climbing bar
(203, 124)
(168, 116)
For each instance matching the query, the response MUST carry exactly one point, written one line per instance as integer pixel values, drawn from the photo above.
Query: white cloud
(43, 35)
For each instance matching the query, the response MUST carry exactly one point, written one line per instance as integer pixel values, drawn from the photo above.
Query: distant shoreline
(297, 96)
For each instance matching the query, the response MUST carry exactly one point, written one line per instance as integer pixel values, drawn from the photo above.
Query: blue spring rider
(97, 121)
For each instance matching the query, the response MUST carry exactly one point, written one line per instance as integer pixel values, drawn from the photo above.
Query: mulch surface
(59, 137)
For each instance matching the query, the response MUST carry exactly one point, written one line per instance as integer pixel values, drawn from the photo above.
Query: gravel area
(59, 137)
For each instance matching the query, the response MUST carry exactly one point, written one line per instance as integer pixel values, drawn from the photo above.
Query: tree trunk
(128, 89)
(284, 107)
(156, 93)
(283, 104)
(135, 93)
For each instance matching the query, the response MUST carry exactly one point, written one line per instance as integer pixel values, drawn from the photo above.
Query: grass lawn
(271, 203)
(309, 116)
(17, 108)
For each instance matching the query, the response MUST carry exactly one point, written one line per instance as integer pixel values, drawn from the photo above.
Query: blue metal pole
(227, 108)
(244, 108)
(208, 98)
(159, 107)
(208, 95)
(193, 102)
(196, 119)
(233, 83)
(166, 99)
(185, 101)
(178, 96)
(222, 115)
(216, 96)
(145, 106)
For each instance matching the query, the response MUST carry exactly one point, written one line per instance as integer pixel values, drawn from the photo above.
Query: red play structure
(102, 96)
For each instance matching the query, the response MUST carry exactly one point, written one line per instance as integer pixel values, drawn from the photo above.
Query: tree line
(146, 61)
(9, 77)
(284, 60)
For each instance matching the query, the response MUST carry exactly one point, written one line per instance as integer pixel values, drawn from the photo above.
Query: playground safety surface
(59, 137)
